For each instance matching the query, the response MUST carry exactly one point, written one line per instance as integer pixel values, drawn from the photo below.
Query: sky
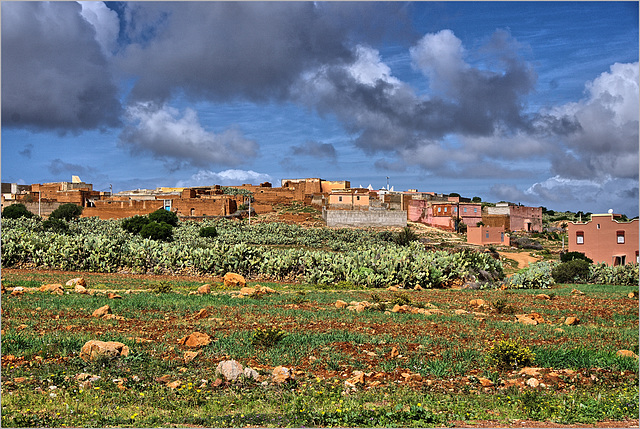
(528, 102)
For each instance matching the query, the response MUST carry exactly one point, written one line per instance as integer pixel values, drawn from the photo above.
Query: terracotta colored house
(349, 200)
(442, 214)
(514, 217)
(605, 239)
(483, 235)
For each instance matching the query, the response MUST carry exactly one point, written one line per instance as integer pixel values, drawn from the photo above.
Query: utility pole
(387, 183)
(39, 200)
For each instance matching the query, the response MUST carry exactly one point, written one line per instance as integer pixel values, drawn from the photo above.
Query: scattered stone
(56, 289)
(571, 321)
(232, 280)
(358, 377)
(460, 312)
(196, 339)
(357, 308)
(202, 314)
(248, 291)
(204, 289)
(542, 296)
(17, 292)
(112, 317)
(633, 294)
(78, 288)
(418, 287)
(401, 308)
(112, 295)
(485, 382)
(394, 353)
(94, 349)
(174, 384)
(251, 373)
(537, 317)
(530, 371)
(533, 382)
(477, 303)
(525, 319)
(392, 288)
(576, 292)
(559, 330)
(626, 353)
(102, 311)
(229, 369)
(281, 374)
(408, 377)
(78, 281)
(164, 379)
(554, 377)
(189, 356)
(341, 304)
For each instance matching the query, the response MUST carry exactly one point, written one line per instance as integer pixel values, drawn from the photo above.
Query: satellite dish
(610, 211)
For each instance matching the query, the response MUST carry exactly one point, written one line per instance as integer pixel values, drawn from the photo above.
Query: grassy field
(367, 369)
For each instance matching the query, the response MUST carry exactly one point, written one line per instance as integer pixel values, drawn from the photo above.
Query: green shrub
(570, 256)
(401, 299)
(502, 306)
(55, 225)
(163, 287)
(404, 237)
(573, 271)
(509, 354)
(626, 275)
(208, 231)
(135, 224)
(166, 216)
(267, 337)
(68, 211)
(535, 276)
(157, 231)
(16, 211)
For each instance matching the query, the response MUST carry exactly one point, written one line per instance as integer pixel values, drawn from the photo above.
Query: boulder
(576, 292)
(530, 371)
(392, 288)
(281, 374)
(230, 369)
(626, 353)
(204, 289)
(526, 319)
(77, 281)
(251, 373)
(485, 382)
(533, 382)
(202, 314)
(542, 296)
(477, 303)
(105, 309)
(341, 304)
(232, 280)
(571, 321)
(633, 294)
(249, 291)
(537, 317)
(112, 295)
(78, 288)
(56, 289)
(95, 349)
(196, 339)
(189, 356)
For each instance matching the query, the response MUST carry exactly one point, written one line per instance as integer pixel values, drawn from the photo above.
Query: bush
(163, 287)
(404, 237)
(157, 231)
(267, 337)
(573, 271)
(570, 256)
(166, 216)
(509, 354)
(55, 225)
(16, 211)
(135, 224)
(208, 231)
(68, 211)
(526, 243)
(535, 276)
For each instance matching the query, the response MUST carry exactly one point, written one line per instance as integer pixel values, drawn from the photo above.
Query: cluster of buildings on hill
(341, 205)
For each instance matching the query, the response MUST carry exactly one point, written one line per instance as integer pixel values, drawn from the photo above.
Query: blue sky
(528, 102)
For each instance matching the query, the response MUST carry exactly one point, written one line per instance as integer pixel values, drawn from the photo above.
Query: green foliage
(16, 211)
(157, 231)
(208, 231)
(55, 225)
(163, 287)
(570, 256)
(166, 216)
(135, 224)
(502, 306)
(535, 276)
(68, 211)
(476, 200)
(573, 271)
(626, 275)
(268, 337)
(406, 236)
(401, 299)
(509, 355)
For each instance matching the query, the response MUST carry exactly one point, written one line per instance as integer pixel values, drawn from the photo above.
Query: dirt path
(523, 259)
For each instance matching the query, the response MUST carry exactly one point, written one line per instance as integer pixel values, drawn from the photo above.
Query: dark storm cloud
(54, 74)
(315, 149)
(27, 151)
(58, 166)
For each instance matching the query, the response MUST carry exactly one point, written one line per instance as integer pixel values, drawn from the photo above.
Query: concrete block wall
(346, 218)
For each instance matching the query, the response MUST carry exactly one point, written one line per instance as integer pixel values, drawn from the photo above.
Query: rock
(164, 379)
(533, 382)
(196, 339)
(229, 369)
(418, 287)
(477, 303)
(571, 321)
(460, 312)
(94, 349)
(281, 374)
(392, 288)
(112, 317)
(626, 353)
(633, 294)
(357, 308)
(341, 304)
(105, 309)
(232, 280)
(542, 296)
(189, 356)
(77, 281)
(358, 377)
(80, 289)
(559, 330)
(485, 382)
(249, 291)
(204, 289)
(401, 308)
(112, 295)
(15, 292)
(174, 384)
(530, 371)
(537, 317)
(266, 290)
(525, 319)
(56, 289)
(408, 378)
(576, 292)
(202, 314)
(394, 353)
(251, 373)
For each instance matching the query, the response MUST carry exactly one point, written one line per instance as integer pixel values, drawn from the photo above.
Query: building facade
(605, 239)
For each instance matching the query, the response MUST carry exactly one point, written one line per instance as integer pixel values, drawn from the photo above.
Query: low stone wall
(359, 218)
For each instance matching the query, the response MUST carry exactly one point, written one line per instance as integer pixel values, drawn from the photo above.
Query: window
(502, 237)
(465, 209)
(475, 209)
(445, 209)
(339, 198)
(598, 226)
(580, 237)
(455, 210)
(620, 235)
(439, 209)
(358, 198)
(487, 235)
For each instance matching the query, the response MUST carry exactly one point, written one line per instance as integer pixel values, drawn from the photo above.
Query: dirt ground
(523, 259)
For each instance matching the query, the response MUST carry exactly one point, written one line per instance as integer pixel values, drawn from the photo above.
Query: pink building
(483, 235)
(521, 218)
(349, 200)
(443, 214)
(605, 239)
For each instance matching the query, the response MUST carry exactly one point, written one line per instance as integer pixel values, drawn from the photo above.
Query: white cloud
(106, 23)
(440, 57)
(226, 177)
(369, 68)
(167, 135)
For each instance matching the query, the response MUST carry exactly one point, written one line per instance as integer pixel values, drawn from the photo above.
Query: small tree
(55, 225)
(66, 212)
(135, 224)
(166, 216)
(575, 270)
(570, 256)
(208, 231)
(476, 200)
(157, 231)
(16, 211)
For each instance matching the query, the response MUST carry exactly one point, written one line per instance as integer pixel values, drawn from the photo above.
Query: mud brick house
(484, 235)
(513, 217)
(352, 199)
(442, 213)
(605, 238)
